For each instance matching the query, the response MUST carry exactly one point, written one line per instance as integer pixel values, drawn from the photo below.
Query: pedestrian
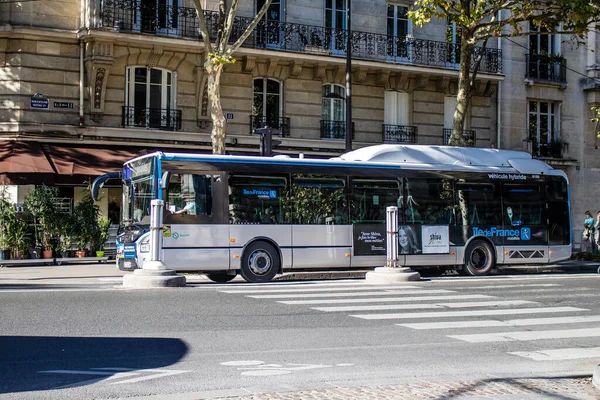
(588, 232)
(597, 231)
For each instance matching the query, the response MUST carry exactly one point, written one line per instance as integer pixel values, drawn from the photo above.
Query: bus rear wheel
(260, 262)
(220, 277)
(479, 258)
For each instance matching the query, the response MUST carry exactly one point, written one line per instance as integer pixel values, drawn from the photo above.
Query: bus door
(424, 236)
(321, 234)
(196, 234)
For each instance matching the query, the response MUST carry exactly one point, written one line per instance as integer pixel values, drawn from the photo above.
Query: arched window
(150, 99)
(267, 105)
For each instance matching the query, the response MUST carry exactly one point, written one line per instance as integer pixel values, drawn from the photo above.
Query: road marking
(348, 294)
(472, 313)
(260, 368)
(475, 287)
(389, 299)
(42, 289)
(382, 307)
(529, 335)
(518, 278)
(112, 373)
(559, 354)
(513, 322)
(310, 289)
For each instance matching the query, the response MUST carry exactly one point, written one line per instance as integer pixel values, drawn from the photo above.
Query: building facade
(89, 83)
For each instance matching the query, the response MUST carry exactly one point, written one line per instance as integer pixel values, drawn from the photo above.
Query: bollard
(156, 237)
(391, 228)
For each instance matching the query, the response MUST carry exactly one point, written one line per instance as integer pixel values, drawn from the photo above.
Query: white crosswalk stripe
(389, 299)
(311, 289)
(559, 354)
(473, 313)
(349, 294)
(512, 322)
(425, 306)
(528, 335)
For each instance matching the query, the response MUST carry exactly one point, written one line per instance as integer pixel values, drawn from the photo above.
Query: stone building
(87, 84)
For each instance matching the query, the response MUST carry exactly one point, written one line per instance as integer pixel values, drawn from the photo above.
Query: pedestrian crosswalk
(455, 311)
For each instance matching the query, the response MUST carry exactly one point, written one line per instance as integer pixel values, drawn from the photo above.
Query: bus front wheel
(479, 258)
(260, 262)
(220, 277)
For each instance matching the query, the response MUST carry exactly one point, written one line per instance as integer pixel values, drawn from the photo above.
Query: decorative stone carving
(319, 71)
(383, 77)
(203, 117)
(248, 64)
(359, 74)
(98, 59)
(272, 67)
(295, 68)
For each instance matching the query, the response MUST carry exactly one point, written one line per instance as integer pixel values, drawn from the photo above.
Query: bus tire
(220, 277)
(260, 262)
(479, 258)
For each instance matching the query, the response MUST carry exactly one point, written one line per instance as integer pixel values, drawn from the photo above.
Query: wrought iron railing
(153, 118)
(399, 134)
(281, 123)
(135, 16)
(334, 129)
(546, 68)
(552, 149)
(468, 136)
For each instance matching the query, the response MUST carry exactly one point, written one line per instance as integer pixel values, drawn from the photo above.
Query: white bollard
(391, 228)
(156, 227)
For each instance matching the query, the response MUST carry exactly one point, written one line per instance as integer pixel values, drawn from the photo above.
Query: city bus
(472, 210)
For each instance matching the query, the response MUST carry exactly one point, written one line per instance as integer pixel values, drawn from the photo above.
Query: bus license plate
(127, 264)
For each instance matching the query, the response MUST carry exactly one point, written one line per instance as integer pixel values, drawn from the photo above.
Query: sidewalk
(96, 273)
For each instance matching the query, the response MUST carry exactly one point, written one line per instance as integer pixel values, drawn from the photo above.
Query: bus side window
(258, 199)
(429, 201)
(478, 204)
(522, 204)
(190, 194)
(319, 200)
(370, 198)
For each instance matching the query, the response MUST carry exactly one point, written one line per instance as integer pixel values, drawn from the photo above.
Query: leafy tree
(218, 55)
(477, 22)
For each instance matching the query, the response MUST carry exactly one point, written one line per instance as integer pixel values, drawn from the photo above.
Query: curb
(292, 276)
(596, 378)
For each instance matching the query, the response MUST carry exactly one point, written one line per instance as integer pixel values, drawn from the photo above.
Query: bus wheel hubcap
(259, 262)
(479, 258)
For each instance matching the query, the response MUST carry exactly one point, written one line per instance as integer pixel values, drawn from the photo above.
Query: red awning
(34, 162)
(23, 158)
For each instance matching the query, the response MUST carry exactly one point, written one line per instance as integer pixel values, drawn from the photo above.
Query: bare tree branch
(249, 30)
(228, 25)
(203, 28)
(222, 11)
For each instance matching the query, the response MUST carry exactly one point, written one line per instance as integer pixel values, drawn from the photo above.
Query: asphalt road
(209, 340)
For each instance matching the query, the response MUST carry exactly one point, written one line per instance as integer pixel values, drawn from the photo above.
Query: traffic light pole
(266, 140)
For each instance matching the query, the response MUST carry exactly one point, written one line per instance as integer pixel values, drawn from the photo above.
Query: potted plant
(100, 236)
(41, 203)
(85, 215)
(19, 236)
(7, 214)
(67, 230)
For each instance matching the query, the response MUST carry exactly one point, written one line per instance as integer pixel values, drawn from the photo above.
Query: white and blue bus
(469, 209)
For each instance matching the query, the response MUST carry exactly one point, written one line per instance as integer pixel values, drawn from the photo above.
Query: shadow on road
(29, 363)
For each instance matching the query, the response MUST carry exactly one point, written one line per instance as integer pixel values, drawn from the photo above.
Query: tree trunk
(217, 134)
(463, 97)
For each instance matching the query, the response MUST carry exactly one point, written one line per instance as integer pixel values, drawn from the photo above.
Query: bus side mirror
(99, 182)
(164, 180)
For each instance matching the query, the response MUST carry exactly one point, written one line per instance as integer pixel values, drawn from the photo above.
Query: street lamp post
(348, 79)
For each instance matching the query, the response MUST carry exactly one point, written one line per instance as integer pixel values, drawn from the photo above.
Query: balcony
(399, 134)
(334, 129)
(554, 149)
(151, 118)
(139, 17)
(551, 69)
(281, 123)
(468, 136)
